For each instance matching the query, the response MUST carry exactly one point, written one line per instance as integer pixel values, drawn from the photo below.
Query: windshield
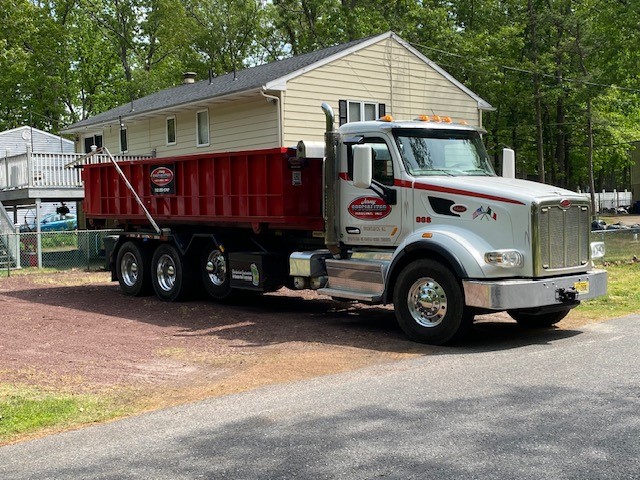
(443, 152)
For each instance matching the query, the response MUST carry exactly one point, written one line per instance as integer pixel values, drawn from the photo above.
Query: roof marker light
(446, 119)
(423, 118)
(386, 118)
(436, 118)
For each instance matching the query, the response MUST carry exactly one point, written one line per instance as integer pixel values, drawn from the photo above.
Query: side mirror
(508, 163)
(362, 166)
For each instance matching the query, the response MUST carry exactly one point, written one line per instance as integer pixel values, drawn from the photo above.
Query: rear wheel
(538, 320)
(132, 269)
(429, 303)
(170, 276)
(215, 273)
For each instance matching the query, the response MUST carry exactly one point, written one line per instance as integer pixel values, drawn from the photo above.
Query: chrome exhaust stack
(330, 182)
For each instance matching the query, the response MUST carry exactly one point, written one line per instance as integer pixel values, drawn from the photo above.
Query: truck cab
(423, 221)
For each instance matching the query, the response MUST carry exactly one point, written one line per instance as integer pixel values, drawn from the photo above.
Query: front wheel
(429, 303)
(170, 275)
(539, 320)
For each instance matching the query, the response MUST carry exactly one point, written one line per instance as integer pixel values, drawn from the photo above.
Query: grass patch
(27, 271)
(27, 410)
(623, 295)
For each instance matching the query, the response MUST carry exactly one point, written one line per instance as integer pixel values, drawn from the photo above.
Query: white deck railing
(29, 170)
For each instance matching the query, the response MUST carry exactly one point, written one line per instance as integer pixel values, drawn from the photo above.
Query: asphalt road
(566, 406)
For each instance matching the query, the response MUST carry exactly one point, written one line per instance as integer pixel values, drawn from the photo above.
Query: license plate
(582, 287)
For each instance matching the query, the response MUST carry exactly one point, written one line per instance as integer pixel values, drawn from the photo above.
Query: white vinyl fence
(610, 202)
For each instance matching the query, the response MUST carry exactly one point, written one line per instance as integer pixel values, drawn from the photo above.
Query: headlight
(504, 258)
(597, 249)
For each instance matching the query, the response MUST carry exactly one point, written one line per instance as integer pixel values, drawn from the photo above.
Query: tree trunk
(536, 90)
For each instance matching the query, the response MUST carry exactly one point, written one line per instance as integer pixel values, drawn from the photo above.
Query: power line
(523, 70)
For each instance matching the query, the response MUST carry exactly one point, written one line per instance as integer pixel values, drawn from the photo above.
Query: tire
(133, 269)
(440, 316)
(215, 273)
(538, 320)
(170, 276)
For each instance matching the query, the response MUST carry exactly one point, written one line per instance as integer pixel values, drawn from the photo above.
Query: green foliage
(223, 32)
(544, 65)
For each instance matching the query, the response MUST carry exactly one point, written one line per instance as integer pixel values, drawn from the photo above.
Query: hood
(507, 190)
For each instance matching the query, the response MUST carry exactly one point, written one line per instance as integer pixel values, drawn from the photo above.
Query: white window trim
(120, 139)
(208, 129)
(362, 103)
(175, 129)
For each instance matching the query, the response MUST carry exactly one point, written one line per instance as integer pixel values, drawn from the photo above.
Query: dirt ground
(75, 331)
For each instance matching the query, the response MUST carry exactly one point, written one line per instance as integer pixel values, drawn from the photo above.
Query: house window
(124, 144)
(202, 127)
(171, 130)
(92, 140)
(360, 111)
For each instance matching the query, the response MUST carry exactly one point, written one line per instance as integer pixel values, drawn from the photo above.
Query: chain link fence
(81, 249)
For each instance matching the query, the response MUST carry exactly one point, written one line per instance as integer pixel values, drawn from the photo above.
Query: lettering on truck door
(366, 218)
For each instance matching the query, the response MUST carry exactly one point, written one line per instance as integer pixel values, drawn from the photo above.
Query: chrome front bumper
(527, 293)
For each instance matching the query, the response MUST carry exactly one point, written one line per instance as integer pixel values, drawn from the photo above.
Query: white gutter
(280, 116)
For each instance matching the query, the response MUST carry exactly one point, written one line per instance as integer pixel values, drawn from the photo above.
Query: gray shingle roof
(245, 80)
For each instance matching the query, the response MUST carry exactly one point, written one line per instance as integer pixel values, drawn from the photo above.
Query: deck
(28, 177)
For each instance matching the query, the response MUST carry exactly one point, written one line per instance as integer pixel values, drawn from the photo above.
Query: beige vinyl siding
(235, 125)
(137, 138)
(385, 72)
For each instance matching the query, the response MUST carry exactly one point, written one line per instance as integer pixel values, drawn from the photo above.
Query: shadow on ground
(286, 316)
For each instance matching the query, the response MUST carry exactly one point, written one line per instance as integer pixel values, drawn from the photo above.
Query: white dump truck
(408, 213)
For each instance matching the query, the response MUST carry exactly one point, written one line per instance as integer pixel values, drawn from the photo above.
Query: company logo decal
(369, 208)
(163, 180)
(161, 176)
(565, 203)
(485, 214)
(459, 208)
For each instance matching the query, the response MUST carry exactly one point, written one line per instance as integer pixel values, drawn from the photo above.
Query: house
(31, 170)
(277, 104)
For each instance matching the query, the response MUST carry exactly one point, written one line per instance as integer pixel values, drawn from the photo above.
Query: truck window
(382, 161)
(443, 152)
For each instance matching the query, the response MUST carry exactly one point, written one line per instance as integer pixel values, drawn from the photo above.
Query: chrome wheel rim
(216, 268)
(129, 269)
(427, 302)
(166, 272)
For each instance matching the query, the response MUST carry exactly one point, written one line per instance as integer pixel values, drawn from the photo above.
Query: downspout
(330, 182)
(279, 103)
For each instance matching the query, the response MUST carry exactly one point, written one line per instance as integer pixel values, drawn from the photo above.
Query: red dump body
(250, 188)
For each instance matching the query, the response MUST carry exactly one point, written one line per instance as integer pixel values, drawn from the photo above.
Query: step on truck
(408, 213)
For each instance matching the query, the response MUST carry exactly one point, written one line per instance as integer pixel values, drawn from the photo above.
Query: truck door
(366, 218)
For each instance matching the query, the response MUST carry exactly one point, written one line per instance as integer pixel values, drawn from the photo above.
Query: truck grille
(563, 236)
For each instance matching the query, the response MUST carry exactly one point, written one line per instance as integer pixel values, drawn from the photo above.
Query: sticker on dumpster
(162, 180)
